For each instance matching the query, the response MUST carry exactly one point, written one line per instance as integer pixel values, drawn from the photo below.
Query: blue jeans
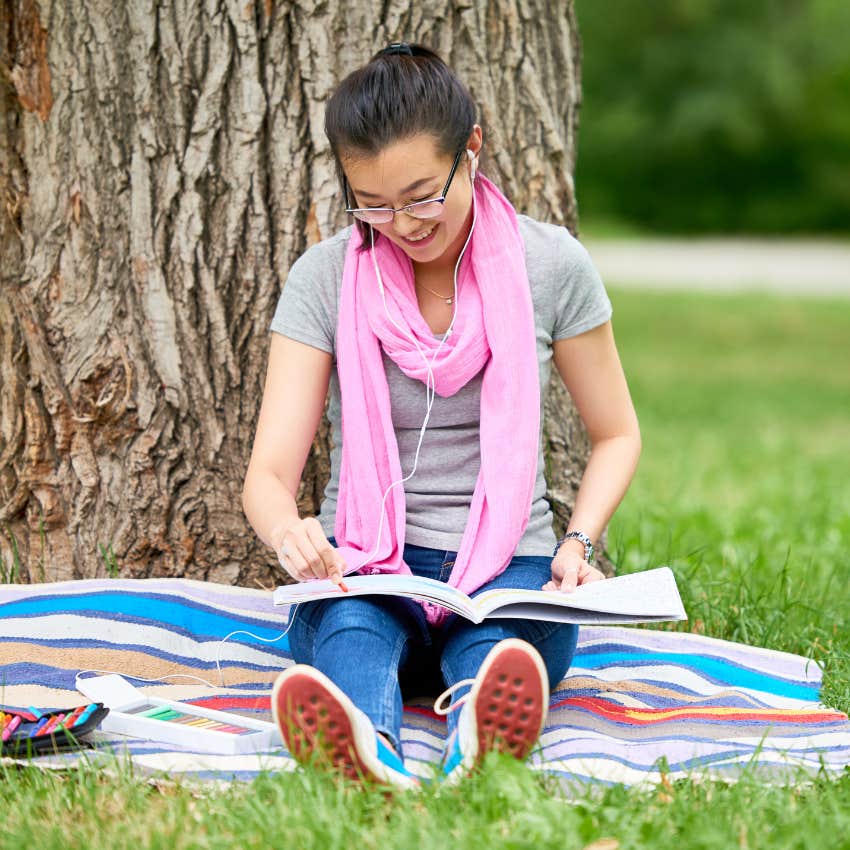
(380, 650)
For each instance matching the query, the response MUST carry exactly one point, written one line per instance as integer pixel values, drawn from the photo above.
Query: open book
(645, 597)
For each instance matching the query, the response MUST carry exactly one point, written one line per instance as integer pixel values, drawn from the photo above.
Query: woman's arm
(592, 373)
(293, 402)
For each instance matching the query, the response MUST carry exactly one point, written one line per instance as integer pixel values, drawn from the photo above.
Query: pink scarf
(494, 330)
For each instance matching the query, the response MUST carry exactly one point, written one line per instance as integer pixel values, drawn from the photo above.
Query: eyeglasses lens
(374, 216)
(431, 209)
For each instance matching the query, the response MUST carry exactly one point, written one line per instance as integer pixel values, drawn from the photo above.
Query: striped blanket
(636, 705)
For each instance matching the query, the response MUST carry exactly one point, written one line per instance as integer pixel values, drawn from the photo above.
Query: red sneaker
(320, 724)
(505, 709)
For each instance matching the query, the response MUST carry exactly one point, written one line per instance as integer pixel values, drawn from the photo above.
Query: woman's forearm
(606, 478)
(269, 506)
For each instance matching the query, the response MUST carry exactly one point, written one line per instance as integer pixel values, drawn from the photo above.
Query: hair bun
(397, 48)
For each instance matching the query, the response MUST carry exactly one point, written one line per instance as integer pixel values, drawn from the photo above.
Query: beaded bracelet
(577, 535)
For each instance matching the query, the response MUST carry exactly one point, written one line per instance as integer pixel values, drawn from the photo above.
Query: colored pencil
(51, 724)
(69, 721)
(10, 728)
(39, 726)
(89, 710)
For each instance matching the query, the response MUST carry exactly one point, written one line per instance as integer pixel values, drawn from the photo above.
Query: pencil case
(33, 732)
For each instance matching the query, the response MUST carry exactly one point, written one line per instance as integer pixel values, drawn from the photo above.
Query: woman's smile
(423, 239)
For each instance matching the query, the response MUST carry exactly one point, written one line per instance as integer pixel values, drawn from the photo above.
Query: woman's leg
(467, 644)
(359, 644)
(362, 643)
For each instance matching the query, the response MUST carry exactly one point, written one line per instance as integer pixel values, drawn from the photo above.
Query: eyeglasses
(430, 208)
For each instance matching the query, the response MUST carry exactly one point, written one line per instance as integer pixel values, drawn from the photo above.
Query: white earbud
(473, 162)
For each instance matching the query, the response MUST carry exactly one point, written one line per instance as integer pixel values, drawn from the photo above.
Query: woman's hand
(305, 553)
(569, 570)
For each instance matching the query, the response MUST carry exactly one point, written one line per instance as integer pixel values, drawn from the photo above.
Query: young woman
(433, 321)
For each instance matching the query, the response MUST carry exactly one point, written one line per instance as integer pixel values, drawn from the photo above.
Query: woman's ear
(473, 149)
(476, 140)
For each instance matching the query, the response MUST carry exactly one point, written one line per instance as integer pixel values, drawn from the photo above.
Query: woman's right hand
(306, 553)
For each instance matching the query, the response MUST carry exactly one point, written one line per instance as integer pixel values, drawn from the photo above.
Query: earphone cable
(430, 386)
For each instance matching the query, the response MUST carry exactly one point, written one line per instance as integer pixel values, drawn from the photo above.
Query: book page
(416, 587)
(578, 616)
(648, 595)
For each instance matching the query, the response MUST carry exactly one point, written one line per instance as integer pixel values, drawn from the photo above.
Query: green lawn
(744, 483)
(743, 488)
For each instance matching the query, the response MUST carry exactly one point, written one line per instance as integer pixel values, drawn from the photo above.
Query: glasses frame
(441, 199)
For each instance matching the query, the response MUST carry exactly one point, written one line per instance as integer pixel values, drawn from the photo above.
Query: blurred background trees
(715, 115)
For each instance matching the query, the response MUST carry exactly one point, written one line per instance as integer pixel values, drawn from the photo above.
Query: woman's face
(414, 170)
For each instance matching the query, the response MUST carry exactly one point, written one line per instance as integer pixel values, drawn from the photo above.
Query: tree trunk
(163, 165)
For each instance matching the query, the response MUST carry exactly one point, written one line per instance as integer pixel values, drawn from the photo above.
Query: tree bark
(163, 164)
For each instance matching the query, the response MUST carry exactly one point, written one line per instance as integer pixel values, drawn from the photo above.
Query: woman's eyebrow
(404, 191)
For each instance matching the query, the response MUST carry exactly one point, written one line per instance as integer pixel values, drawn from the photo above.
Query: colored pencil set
(35, 730)
(191, 727)
(172, 715)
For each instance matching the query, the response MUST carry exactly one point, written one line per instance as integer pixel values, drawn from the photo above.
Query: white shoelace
(438, 709)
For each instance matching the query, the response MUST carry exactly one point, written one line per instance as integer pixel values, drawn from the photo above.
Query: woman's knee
(556, 646)
(355, 617)
(469, 643)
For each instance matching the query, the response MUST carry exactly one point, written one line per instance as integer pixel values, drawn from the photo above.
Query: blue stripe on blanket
(186, 618)
(719, 672)
(27, 673)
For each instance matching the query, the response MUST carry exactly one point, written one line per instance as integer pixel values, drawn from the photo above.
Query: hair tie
(397, 48)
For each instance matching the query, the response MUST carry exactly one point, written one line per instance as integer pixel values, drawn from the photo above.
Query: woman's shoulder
(549, 244)
(564, 282)
(307, 306)
(324, 259)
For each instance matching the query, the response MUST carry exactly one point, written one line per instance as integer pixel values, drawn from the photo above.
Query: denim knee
(330, 616)
(302, 630)
(468, 644)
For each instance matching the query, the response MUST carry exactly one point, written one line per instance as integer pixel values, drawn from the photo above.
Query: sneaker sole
(312, 715)
(512, 699)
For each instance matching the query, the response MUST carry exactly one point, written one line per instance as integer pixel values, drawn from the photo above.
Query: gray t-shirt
(568, 298)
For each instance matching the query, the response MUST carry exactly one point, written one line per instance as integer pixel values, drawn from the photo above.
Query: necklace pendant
(449, 300)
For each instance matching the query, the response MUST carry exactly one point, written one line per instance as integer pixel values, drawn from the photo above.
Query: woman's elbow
(248, 489)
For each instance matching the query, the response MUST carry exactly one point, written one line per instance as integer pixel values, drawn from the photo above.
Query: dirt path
(810, 266)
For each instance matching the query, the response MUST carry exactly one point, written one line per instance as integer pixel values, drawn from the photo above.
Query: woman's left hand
(569, 570)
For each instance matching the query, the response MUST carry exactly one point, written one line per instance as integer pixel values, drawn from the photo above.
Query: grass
(10, 571)
(110, 562)
(13, 571)
(744, 404)
(742, 489)
(503, 806)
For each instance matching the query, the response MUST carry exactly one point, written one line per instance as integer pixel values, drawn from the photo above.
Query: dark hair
(404, 89)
